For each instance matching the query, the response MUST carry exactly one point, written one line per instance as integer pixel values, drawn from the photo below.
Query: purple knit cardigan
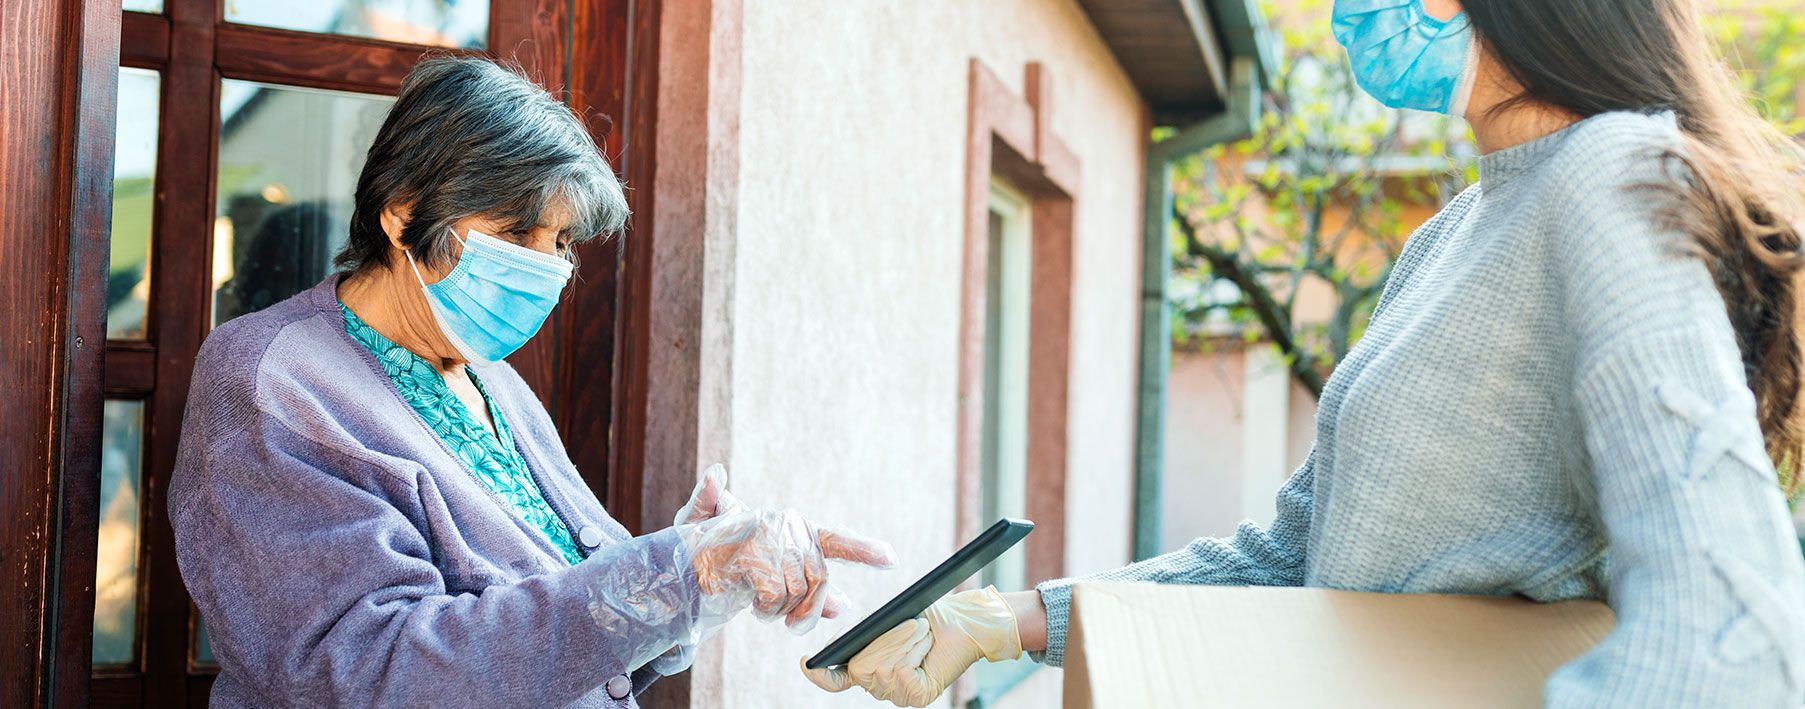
(342, 555)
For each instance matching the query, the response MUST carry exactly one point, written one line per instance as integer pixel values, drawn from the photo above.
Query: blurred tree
(1760, 39)
(1288, 236)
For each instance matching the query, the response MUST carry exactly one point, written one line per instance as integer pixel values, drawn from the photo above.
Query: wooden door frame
(59, 193)
(57, 196)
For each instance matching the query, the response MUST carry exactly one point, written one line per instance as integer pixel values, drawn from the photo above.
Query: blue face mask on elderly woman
(1407, 58)
(496, 297)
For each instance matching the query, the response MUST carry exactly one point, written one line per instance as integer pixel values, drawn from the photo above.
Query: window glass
(445, 23)
(1005, 483)
(116, 554)
(134, 189)
(153, 6)
(288, 164)
(1005, 449)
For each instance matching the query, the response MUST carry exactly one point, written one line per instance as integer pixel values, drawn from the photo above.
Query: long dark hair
(1744, 204)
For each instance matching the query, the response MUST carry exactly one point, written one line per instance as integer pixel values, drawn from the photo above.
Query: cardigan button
(590, 537)
(619, 687)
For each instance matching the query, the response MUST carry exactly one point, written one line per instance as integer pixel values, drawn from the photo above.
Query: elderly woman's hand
(710, 499)
(774, 562)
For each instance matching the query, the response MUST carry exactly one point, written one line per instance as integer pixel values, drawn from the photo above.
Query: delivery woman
(1574, 385)
(372, 509)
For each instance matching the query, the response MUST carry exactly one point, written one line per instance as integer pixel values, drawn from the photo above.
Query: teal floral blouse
(500, 467)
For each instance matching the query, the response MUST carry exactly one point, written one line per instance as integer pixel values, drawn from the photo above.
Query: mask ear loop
(1469, 76)
(410, 256)
(415, 267)
(457, 343)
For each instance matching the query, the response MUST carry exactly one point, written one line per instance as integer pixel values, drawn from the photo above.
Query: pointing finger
(846, 545)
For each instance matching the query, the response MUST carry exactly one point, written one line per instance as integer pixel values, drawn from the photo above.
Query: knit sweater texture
(1548, 402)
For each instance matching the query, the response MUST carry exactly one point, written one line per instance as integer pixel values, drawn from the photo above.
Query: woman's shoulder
(1614, 130)
(264, 356)
(1612, 150)
(1613, 183)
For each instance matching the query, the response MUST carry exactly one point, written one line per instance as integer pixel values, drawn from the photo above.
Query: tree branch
(1258, 300)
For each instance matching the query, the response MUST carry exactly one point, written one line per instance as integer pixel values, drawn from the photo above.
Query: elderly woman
(371, 508)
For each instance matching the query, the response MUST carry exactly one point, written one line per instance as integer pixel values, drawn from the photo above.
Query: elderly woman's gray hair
(469, 136)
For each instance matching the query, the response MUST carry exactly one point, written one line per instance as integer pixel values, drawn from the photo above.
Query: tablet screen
(918, 596)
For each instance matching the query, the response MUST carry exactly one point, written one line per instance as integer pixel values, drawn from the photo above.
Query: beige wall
(1223, 465)
(838, 325)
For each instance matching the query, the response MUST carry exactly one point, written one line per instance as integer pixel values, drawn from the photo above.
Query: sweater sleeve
(315, 587)
(1703, 572)
(1273, 556)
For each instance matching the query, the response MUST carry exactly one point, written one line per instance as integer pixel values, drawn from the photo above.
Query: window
(1008, 296)
(134, 184)
(1005, 484)
(444, 23)
(116, 555)
(1021, 183)
(288, 164)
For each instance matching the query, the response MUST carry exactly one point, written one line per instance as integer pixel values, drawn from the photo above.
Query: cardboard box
(1144, 645)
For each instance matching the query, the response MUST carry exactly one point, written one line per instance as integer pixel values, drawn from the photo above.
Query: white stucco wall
(846, 265)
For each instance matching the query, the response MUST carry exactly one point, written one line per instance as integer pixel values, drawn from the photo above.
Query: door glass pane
(288, 164)
(445, 23)
(134, 175)
(155, 6)
(116, 555)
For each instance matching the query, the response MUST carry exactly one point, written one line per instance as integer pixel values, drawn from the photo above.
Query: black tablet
(921, 594)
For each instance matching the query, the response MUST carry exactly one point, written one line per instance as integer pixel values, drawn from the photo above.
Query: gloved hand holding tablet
(909, 604)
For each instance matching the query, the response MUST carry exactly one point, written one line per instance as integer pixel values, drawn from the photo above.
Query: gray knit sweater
(1549, 402)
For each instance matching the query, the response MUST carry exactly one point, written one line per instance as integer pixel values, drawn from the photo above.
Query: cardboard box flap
(1145, 645)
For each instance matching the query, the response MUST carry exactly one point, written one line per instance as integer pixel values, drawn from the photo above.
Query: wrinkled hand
(914, 663)
(774, 562)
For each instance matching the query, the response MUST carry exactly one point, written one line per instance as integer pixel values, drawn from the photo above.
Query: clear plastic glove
(914, 663)
(773, 562)
(709, 500)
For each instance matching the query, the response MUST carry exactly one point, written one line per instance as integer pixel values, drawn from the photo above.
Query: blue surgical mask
(1407, 58)
(496, 297)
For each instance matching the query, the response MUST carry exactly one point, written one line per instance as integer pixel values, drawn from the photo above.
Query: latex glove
(911, 668)
(773, 562)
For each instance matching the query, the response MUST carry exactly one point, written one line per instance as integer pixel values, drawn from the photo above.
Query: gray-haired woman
(371, 508)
